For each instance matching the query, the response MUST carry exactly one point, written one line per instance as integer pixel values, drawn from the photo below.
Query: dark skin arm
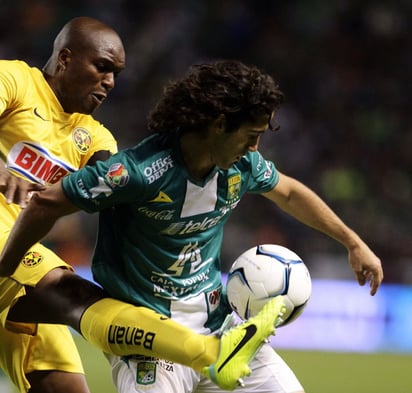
(43, 212)
(61, 296)
(44, 209)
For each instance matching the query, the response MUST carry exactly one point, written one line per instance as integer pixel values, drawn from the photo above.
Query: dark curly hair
(240, 92)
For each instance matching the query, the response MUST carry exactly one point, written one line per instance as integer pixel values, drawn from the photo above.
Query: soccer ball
(266, 271)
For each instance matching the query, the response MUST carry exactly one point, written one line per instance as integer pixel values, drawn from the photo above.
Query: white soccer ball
(266, 271)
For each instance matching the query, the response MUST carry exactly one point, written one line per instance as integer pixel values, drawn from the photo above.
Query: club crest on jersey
(31, 259)
(117, 176)
(146, 373)
(233, 188)
(82, 139)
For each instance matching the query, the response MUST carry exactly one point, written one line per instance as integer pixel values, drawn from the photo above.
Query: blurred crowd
(346, 129)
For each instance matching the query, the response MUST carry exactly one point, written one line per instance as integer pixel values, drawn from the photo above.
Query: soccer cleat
(239, 345)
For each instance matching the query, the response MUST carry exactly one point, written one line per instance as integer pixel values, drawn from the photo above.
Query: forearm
(22, 238)
(32, 225)
(302, 203)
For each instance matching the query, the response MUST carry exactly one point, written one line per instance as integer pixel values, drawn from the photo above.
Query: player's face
(229, 147)
(89, 75)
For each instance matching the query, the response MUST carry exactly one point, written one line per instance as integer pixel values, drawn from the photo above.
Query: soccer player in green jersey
(163, 205)
(47, 132)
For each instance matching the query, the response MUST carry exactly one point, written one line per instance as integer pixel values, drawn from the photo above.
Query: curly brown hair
(242, 93)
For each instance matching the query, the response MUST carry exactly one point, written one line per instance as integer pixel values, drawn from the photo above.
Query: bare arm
(33, 224)
(15, 189)
(300, 202)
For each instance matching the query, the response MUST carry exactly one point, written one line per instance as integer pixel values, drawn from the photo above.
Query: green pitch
(319, 372)
(326, 372)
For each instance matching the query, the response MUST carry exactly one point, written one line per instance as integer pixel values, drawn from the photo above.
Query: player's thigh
(148, 375)
(51, 348)
(270, 374)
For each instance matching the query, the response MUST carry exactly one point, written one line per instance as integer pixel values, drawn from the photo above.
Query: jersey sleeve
(102, 140)
(263, 173)
(106, 184)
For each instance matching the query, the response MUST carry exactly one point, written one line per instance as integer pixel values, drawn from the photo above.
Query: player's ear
(219, 124)
(64, 57)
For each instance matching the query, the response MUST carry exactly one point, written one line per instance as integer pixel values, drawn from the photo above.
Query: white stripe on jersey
(199, 200)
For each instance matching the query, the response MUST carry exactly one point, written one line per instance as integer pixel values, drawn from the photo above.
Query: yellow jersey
(38, 140)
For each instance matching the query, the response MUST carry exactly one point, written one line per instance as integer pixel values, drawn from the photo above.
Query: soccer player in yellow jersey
(47, 132)
(42, 140)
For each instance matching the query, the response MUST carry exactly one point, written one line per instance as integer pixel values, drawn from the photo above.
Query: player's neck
(196, 155)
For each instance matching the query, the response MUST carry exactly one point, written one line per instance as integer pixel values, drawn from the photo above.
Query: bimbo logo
(36, 163)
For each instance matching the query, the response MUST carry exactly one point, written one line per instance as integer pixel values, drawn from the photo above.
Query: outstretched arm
(33, 224)
(300, 202)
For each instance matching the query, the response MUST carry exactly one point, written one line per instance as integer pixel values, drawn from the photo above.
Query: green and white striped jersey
(160, 231)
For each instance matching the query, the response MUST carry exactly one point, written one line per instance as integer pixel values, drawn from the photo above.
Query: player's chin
(87, 109)
(227, 164)
(236, 160)
(91, 105)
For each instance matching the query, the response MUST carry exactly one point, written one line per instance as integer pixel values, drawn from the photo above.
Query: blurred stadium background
(345, 131)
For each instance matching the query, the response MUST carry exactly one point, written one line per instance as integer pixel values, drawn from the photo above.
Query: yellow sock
(122, 329)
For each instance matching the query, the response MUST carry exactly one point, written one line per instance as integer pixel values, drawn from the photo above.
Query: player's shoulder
(255, 165)
(87, 130)
(152, 148)
(251, 161)
(20, 80)
(16, 67)
(14, 64)
(89, 123)
(150, 158)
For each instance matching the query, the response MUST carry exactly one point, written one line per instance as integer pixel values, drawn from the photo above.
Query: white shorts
(270, 374)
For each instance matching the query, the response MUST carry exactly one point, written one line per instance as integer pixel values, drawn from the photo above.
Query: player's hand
(367, 267)
(15, 189)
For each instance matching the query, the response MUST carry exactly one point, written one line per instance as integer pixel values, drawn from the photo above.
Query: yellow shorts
(47, 347)
(52, 348)
(37, 262)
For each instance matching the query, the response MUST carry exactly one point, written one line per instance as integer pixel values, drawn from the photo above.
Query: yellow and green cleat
(239, 345)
